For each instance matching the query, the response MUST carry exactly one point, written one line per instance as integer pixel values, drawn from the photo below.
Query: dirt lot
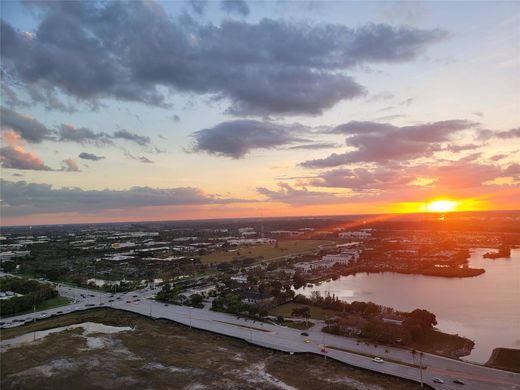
(163, 355)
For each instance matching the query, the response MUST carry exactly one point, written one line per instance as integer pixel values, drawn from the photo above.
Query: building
(287, 233)
(330, 260)
(239, 278)
(358, 234)
(252, 241)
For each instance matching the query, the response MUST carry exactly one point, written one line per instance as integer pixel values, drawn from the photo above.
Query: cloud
(14, 156)
(237, 138)
(465, 174)
(198, 6)
(460, 148)
(22, 198)
(239, 7)
(290, 195)
(363, 179)
(28, 128)
(82, 135)
(90, 156)
(486, 134)
(69, 165)
(383, 142)
(126, 135)
(142, 159)
(314, 146)
(145, 160)
(93, 51)
(508, 134)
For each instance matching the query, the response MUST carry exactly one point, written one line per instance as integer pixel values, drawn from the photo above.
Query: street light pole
(420, 366)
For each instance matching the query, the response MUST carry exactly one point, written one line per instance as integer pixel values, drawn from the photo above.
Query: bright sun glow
(442, 206)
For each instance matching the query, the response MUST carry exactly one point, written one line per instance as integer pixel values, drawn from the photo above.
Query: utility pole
(34, 321)
(420, 366)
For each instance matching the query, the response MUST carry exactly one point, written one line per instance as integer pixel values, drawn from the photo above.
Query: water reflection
(485, 308)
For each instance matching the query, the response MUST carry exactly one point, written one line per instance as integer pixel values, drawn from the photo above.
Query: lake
(485, 308)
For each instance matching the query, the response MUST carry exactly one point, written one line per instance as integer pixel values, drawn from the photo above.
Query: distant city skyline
(197, 110)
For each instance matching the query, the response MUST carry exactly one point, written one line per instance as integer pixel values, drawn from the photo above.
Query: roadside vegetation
(161, 354)
(505, 359)
(31, 293)
(378, 324)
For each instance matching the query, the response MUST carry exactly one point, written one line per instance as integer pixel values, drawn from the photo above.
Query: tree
(196, 300)
(426, 319)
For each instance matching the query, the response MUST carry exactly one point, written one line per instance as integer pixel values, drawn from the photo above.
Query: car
(306, 341)
(43, 315)
(59, 312)
(438, 380)
(134, 296)
(304, 333)
(165, 304)
(90, 304)
(128, 301)
(378, 360)
(110, 300)
(458, 381)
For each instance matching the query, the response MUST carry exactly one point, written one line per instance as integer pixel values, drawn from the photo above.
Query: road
(397, 362)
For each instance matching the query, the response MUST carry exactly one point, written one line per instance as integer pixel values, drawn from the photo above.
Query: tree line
(32, 293)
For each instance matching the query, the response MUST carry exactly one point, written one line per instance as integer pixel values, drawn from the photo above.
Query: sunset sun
(442, 206)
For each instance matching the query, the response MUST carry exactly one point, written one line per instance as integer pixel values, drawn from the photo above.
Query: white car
(378, 360)
(438, 380)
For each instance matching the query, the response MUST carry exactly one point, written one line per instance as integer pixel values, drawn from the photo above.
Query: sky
(135, 111)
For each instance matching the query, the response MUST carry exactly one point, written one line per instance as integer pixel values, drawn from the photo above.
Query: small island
(505, 359)
(503, 252)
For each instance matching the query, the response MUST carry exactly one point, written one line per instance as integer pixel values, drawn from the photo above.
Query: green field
(161, 355)
(286, 309)
(268, 252)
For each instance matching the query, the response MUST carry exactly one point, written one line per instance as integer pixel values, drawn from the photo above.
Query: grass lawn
(286, 309)
(268, 252)
(53, 302)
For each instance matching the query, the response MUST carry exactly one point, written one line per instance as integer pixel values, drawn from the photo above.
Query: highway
(397, 362)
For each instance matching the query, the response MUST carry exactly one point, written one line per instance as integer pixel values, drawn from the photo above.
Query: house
(257, 298)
